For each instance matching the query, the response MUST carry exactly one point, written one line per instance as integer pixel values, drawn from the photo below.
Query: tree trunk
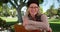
(19, 14)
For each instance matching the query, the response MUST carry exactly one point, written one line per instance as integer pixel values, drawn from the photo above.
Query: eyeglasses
(33, 7)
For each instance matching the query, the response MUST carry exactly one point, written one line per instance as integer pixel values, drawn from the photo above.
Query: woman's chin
(33, 14)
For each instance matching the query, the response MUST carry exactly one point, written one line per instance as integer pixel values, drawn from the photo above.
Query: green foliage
(5, 10)
(58, 11)
(2, 23)
(54, 11)
(41, 10)
(51, 12)
(4, 1)
(14, 14)
(1, 9)
(41, 1)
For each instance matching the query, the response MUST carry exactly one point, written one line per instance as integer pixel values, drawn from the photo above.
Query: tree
(58, 2)
(58, 12)
(5, 10)
(18, 7)
(1, 10)
(41, 9)
(51, 12)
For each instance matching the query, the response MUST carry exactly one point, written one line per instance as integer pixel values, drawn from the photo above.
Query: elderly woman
(34, 21)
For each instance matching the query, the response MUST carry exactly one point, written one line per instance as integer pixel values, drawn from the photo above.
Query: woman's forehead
(33, 4)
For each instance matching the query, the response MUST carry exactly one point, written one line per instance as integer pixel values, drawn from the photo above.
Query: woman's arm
(31, 27)
(28, 25)
(42, 25)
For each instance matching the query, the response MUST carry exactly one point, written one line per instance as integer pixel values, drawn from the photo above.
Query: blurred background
(11, 12)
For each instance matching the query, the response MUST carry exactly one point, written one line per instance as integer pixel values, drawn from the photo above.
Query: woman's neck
(33, 16)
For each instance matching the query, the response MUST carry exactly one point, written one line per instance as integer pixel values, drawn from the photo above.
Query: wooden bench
(20, 28)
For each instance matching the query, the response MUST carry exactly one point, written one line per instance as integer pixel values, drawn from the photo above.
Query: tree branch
(21, 1)
(12, 4)
(24, 3)
(16, 2)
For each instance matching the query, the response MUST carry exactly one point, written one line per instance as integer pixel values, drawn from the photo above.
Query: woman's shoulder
(43, 15)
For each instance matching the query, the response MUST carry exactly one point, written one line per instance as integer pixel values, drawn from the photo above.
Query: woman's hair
(30, 2)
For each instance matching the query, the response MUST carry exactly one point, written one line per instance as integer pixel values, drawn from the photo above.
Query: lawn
(9, 19)
(55, 27)
(54, 23)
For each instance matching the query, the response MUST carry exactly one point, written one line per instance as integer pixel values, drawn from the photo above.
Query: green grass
(54, 20)
(55, 27)
(10, 19)
(54, 23)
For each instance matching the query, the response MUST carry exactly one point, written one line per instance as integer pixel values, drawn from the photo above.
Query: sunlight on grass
(10, 19)
(54, 20)
(57, 21)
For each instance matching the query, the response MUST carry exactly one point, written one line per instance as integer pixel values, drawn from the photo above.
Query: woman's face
(33, 9)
